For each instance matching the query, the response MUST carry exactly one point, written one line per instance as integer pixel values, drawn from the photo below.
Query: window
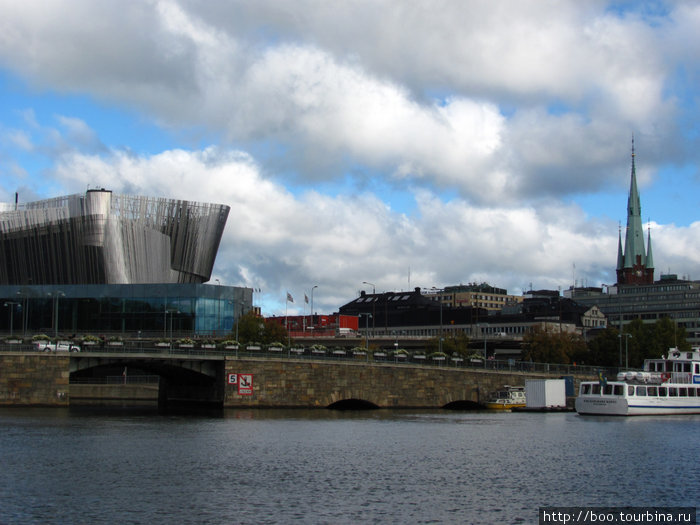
(682, 392)
(641, 391)
(596, 389)
(672, 392)
(662, 391)
(618, 390)
(651, 391)
(585, 388)
(630, 390)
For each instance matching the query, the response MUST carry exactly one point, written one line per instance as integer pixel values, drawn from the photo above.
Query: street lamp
(312, 306)
(12, 305)
(56, 296)
(374, 299)
(483, 333)
(627, 338)
(367, 316)
(218, 308)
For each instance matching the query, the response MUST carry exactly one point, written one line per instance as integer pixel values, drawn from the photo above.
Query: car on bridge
(60, 346)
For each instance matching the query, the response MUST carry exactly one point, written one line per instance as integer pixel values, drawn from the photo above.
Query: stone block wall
(282, 383)
(34, 379)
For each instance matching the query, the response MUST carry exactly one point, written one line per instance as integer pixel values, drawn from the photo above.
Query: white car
(61, 346)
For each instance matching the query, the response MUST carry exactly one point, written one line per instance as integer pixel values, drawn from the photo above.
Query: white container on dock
(545, 393)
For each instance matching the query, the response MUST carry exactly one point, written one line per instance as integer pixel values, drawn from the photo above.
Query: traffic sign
(245, 384)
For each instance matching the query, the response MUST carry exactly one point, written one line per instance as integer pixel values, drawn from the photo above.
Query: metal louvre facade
(106, 238)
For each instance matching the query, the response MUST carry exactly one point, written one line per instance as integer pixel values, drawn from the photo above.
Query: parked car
(61, 346)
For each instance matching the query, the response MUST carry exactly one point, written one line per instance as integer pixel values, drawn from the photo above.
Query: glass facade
(128, 310)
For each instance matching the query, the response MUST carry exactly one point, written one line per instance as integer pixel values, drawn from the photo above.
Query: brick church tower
(634, 265)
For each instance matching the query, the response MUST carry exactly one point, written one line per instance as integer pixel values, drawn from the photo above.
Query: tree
(543, 346)
(255, 329)
(639, 341)
(603, 350)
(251, 328)
(457, 343)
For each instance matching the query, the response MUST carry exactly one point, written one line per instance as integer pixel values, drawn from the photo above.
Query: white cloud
(351, 84)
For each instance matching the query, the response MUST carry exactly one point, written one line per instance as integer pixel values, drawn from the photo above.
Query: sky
(400, 144)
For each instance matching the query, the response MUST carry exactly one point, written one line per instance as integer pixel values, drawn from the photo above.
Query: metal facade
(106, 238)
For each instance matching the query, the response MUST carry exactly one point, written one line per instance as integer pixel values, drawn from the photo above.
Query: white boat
(508, 398)
(669, 385)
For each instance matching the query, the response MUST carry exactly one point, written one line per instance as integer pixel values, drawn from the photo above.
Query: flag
(290, 298)
(306, 299)
(602, 379)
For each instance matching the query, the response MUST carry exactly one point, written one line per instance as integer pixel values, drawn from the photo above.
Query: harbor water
(321, 466)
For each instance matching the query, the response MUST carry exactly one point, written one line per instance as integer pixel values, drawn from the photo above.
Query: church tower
(635, 265)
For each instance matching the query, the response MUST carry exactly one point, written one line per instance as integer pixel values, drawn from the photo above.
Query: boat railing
(654, 378)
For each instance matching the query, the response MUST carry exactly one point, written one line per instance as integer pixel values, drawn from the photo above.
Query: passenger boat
(669, 385)
(508, 398)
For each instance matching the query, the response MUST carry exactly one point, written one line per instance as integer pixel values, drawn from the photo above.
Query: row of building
(104, 263)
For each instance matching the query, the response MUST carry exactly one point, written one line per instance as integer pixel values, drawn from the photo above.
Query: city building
(475, 295)
(105, 263)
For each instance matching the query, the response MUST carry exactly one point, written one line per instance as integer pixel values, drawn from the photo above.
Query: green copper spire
(650, 257)
(634, 238)
(620, 257)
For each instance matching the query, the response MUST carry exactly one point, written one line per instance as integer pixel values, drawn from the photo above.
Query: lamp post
(483, 333)
(56, 296)
(438, 293)
(24, 312)
(374, 299)
(12, 305)
(367, 316)
(312, 306)
(218, 308)
(627, 338)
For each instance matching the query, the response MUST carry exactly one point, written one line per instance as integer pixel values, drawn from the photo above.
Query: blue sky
(468, 141)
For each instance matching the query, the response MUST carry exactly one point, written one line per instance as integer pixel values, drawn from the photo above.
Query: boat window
(683, 392)
(697, 368)
(596, 389)
(608, 390)
(630, 390)
(692, 392)
(662, 391)
(686, 367)
(585, 388)
(651, 390)
(641, 391)
(618, 390)
(672, 392)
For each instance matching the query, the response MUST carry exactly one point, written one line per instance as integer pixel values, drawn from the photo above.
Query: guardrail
(116, 380)
(509, 365)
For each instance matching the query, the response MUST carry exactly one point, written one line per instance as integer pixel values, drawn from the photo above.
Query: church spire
(650, 257)
(633, 266)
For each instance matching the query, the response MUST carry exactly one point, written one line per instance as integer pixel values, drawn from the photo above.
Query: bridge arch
(353, 404)
(179, 382)
(463, 404)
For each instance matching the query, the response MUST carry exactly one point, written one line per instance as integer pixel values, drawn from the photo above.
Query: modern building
(107, 263)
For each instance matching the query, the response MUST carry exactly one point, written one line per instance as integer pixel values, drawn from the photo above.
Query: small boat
(669, 385)
(508, 398)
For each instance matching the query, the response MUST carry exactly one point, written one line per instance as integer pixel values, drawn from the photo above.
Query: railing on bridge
(337, 354)
(116, 380)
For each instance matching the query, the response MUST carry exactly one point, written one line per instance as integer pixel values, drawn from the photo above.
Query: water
(277, 466)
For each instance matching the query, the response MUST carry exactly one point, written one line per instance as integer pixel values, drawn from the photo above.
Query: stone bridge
(31, 378)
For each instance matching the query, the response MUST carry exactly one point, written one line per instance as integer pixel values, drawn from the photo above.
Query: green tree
(603, 350)
(457, 343)
(251, 328)
(551, 347)
(255, 329)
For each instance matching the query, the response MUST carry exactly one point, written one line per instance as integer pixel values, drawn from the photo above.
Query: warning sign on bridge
(245, 384)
